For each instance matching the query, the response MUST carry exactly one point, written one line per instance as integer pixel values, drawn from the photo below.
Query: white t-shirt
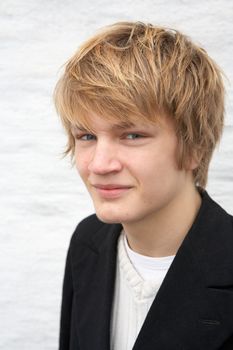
(138, 279)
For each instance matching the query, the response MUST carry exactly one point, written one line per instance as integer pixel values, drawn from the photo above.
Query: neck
(162, 233)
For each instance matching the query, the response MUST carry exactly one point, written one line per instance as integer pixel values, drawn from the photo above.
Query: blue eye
(133, 136)
(86, 137)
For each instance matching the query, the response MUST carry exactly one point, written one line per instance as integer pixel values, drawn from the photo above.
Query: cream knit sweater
(138, 279)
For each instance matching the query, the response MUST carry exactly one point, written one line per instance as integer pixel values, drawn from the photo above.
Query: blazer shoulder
(215, 210)
(86, 229)
(228, 216)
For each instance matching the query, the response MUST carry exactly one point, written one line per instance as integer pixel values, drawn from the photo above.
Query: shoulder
(212, 230)
(85, 230)
(213, 208)
(219, 211)
(88, 224)
(93, 234)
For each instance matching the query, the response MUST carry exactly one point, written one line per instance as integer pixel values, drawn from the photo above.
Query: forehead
(94, 122)
(105, 126)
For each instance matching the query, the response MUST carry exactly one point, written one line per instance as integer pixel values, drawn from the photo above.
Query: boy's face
(130, 172)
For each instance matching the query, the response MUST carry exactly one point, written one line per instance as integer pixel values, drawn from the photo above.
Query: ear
(194, 160)
(193, 164)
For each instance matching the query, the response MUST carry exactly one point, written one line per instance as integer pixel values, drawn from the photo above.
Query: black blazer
(193, 309)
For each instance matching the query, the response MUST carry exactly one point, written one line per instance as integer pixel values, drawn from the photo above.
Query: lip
(110, 186)
(111, 190)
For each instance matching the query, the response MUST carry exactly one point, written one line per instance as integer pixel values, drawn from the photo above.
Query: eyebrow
(123, 125)
(78, 127)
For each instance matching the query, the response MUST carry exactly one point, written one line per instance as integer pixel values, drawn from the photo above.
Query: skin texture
(132, 177)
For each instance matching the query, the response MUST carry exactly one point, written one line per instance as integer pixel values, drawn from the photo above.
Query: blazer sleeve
(66, 307)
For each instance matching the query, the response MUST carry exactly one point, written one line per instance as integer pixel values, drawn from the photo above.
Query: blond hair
(133, 70)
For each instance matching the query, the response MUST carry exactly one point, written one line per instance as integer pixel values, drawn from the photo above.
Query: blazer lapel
(193, 308)
(94, 272)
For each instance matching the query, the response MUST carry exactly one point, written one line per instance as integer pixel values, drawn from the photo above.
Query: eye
(85, 137)
(133, 136)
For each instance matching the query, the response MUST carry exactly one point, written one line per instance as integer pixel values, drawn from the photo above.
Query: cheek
(158, 170)
(81, 163)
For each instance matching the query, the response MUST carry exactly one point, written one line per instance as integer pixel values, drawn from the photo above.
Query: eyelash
(85, 137)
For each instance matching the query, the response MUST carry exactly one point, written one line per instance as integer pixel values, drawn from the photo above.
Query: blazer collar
(191, 308)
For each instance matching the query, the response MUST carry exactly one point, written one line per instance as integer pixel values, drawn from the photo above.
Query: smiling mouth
(111, 191)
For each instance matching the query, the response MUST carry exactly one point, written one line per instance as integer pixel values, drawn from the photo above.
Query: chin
(108, 219)
(109, 215)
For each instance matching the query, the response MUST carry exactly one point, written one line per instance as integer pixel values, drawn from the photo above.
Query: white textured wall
(41, 197)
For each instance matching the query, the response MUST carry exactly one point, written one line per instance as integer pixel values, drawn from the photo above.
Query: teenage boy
(153, 268)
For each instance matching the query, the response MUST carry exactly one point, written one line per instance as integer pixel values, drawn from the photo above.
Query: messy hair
(133, 70)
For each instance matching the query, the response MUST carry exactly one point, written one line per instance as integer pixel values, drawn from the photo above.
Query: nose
(104, 159)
